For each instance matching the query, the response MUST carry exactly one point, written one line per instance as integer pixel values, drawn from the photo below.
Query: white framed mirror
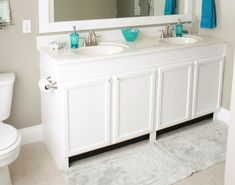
(5, 14)
(62, 15)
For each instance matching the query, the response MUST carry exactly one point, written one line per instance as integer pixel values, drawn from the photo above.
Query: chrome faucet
(91, 39)
(168, 32)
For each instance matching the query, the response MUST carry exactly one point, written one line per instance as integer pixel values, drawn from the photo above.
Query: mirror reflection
(70, 10)
(5, 11)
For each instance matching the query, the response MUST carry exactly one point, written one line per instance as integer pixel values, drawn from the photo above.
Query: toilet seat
(9, 138)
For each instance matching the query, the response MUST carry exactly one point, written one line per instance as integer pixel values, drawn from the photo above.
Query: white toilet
(10, 138)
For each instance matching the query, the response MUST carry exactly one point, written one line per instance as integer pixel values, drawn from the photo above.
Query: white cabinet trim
(161, 70)
(197, 65)
(78, 84)
(116, 79)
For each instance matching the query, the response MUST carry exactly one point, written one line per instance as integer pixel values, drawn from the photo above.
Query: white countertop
(141, 46)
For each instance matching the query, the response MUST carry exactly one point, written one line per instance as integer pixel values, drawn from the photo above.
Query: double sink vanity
(103, 95)
(110, 48)
(115, 91)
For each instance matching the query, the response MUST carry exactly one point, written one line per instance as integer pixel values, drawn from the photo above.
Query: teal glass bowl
(130, 34)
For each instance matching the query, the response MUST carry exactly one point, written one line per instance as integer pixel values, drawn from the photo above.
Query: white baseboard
(223, 115)
(31, 134)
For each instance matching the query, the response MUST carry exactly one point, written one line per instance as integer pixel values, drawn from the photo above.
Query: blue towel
(208, 18)
(170, 7)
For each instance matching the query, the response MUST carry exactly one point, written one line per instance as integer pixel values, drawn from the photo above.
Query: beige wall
(225, 29)
(18, 54)
(65, 10)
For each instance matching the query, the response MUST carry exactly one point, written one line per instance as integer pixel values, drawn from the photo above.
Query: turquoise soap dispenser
(74, 38)
(179, 29)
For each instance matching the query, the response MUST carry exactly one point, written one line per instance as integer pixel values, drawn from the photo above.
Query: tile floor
(36, 167)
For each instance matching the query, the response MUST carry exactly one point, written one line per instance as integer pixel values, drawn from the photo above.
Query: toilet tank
(6, 90)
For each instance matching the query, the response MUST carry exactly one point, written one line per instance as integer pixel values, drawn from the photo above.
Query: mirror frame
(45, 26)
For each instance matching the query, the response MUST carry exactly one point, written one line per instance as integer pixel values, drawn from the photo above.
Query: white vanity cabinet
(208, 77)
(133, 105)
(104, 101)
(174, 94)
(87, 114)
(188, 90)
(88, 109)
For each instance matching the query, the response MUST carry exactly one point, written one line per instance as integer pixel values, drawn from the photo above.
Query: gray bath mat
(139, 164)
(174, 156)
(197, 147)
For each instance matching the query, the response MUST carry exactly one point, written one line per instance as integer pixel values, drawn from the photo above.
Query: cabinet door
(133, 104)
(88, 115)
(208, 77)
(174, 95)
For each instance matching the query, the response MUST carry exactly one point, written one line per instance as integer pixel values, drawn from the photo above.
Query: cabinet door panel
(207, 86)
(174, 95)
(133, 104)
(88, 116)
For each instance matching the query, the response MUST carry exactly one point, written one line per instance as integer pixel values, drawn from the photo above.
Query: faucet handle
(84, 44)
(169, 30)
(162, 34)
(91, 40)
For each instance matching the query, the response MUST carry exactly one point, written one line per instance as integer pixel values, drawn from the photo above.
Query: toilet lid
(8, 136)
(7, 78)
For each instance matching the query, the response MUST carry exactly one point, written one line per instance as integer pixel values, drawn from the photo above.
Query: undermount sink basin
(180, 40)
(102, 49)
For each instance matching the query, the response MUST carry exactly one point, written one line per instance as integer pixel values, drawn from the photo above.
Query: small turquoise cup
(130, 34)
